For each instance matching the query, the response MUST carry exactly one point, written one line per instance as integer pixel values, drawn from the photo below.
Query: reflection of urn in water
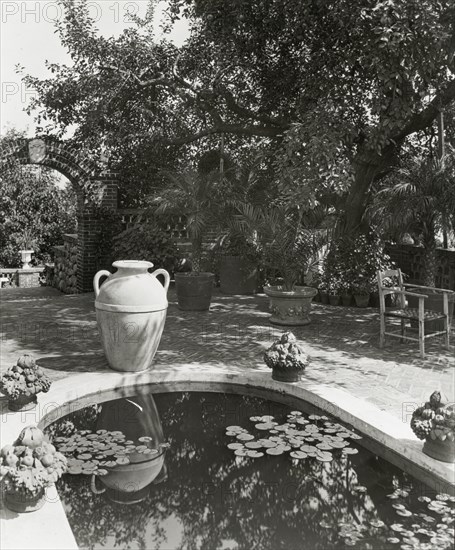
(137, 418)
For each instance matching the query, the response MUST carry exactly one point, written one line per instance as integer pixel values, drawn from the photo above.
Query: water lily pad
(85, 456)
(254, 454)
(235, 428)
(240, 452)
(324, 458)
(308, 449)
(399, 506)
(267, 443)
(352, 435)
(275, 451)
(404, 513)
(377, 523)
(253, 445)
(235, 446)
(122, 461)
(393, 540)
(339, 444)
(139, 448)
(101, 472)
(145, 439)
(110, 464)
(298, 454)
(245, 437)
(314, 417)
(231, 434)
(101, 432)
(323, 446)
(397, 527)
(350, 451)
(360, 489)
(74, 470)
(256, 418)
(265, 426)
(302, 421)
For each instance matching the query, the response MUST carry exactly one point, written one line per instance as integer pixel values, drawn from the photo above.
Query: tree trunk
(429, 259)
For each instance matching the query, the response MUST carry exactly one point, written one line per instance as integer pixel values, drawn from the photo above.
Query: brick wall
(409, 259)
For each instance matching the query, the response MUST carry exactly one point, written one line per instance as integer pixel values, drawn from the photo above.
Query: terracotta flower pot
(362, 300)
(440, 450)
(24, 502)
(346, 299)
(290, 308)
(334, 299)
(194, 290)
(22, 403)
(324, 296)
(237, 276)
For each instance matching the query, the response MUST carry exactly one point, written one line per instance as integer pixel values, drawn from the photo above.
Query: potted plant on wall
(27, 467)
(196, 197)
(289, 244)
(434, 422)
(22, 382)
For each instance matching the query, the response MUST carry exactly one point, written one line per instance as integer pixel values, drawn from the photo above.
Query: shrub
(147, 241)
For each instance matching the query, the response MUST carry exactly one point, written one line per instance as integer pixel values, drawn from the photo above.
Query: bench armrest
(442, 290)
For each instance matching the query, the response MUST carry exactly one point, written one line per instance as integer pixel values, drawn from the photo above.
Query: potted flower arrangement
(197, 197)
(286, 358)
(238, 264)
(27, 467)
(361, 290)
(289, 247)
(22, 382)
(435, 423)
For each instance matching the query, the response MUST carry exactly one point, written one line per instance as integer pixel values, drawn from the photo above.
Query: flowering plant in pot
(22, 382)
(27, 467)
(361, 290)
(286, 358)
(434, 422)
(197, 197)
(289, 241)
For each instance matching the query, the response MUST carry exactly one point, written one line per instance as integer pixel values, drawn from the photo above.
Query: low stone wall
(65, 265)
(409, 259)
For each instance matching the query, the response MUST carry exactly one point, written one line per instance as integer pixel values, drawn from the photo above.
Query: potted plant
(361, 291)
(196, 197)
(345, 292)
(286, 358)
(22, 383)
(238, 264)
(435, 423)
(289, 247)
(27, 467)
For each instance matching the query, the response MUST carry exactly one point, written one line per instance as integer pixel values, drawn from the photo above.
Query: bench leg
(403, 330)
(447, 329)
(422, 338)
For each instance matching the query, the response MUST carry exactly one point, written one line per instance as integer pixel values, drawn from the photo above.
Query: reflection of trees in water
(263, 503)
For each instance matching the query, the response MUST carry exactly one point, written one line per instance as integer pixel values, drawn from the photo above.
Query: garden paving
(60, 331)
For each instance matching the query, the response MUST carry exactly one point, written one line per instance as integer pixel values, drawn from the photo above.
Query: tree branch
(422, 120)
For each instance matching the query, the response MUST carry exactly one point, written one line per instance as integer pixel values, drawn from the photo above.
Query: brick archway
(94, 185)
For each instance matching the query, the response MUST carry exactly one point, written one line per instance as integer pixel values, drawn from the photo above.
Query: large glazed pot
(237, 276)
(290, 308)
(131, 310)
(194, 290)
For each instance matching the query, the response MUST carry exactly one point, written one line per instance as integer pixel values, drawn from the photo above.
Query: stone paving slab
(60, 331)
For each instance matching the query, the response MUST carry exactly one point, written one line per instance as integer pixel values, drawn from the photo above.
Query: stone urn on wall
(26, 258)
(131, 308)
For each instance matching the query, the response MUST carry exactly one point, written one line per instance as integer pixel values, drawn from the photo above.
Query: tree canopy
(335, 88)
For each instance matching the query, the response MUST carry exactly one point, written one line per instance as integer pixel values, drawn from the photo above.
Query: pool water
(156, 472)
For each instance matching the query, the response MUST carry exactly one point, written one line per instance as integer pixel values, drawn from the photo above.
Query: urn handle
(96, 280)
(94, 488)
(166, 277)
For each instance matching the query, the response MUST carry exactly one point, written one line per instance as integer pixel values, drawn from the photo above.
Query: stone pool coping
(49, 528)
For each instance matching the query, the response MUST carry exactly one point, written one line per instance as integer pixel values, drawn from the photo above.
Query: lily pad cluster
(31, 464)
(316, 437)
(98, 452)
(25, 379)
(435, 419)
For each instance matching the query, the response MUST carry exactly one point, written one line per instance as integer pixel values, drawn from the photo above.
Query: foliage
(287, 237)
(418, 198)
(336, 86)
(351, 264)
(33, 213)
(199, 199)
(147, 241)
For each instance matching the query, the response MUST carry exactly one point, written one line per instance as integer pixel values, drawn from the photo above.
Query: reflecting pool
(192, 470)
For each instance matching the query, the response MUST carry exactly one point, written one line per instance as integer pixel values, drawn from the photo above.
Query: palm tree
(198, 198)
(418, 198)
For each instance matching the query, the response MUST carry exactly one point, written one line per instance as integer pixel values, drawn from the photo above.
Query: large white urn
(131, 308)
